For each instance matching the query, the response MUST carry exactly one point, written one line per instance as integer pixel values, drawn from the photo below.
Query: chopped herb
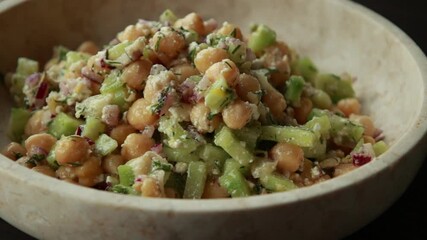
(211, 116)
(235, 49)
(157, 107)
(36, 158)
(75, 164)
(17, 155)
(260, 93)
(158, 165)
(234, 33)
(119, 188)
(228, 64)
(159, 39)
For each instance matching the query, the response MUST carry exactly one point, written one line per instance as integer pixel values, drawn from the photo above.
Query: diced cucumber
(93, 128)
(261, 37)
(335, 87)
(168, 16)
(105, 145)
(196, 179)
(235, 148)
(213, 156)
(26, 67)
(380, 147)
(305, 68)
(321, 99)
(16, 81)
(179, 155)
(262, 167)
(92, 106)
(63, 125)
(116, 51)
(249, 135)
(235, 183)
(294, 87)
(218, 96)
(126, 175)
(276, 183)
(72, 57)
(17, 122)
(298, 136)
(320, 125)
(177, 136)
(237, 51)
(117, 88)
(343, 131)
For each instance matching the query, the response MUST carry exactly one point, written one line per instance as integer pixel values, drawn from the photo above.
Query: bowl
(338, 35)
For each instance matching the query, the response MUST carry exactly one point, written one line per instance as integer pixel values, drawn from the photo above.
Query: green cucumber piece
(126, 175)
(17, 122)
(93, 128)
(105, 145)
(196, 179)
(63, 125)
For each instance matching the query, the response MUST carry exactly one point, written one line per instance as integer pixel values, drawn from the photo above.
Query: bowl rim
(407, 142)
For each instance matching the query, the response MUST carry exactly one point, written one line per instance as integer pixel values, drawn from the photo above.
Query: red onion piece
(41, 95)
(79, 130)
(33, 79)
(360, 159)
(158, 148)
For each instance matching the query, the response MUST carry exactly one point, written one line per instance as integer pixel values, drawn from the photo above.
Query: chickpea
(140, 115)
(214, 190)
(184, 71)
(136, 145)
(210, 25)
(88, 47)
(278, 56)
(247, 88)
(132, 32)
(135, 74)
(366, 122)
(237, 114)
(111, 162)
(343, 169)
(66, 173)
(88, 174)
(191, 22)
(276, 103)
(225, 69)
(349, 106)
(229, 29)
(120, 133)
(150, 188)
(288, 156)
(38, 141)
(302, 112)
(14, 151)
(44, 169)
(37, 122)
(209, 56)
(167, 42)
(71, 149)
(368, 139)
(199, 117)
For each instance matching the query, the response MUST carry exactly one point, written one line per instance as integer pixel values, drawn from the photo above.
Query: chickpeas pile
(173, 69)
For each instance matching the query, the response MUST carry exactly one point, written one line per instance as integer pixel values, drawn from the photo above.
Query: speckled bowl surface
(338, 35)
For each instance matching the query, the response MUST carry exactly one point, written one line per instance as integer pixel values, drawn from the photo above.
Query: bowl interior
(339, 36)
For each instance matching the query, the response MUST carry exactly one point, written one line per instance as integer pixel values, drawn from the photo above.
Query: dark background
(407, 218)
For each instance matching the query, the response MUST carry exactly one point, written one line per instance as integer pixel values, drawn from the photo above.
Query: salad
(187, 108)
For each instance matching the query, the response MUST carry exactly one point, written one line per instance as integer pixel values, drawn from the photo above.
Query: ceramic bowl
(338, 35)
